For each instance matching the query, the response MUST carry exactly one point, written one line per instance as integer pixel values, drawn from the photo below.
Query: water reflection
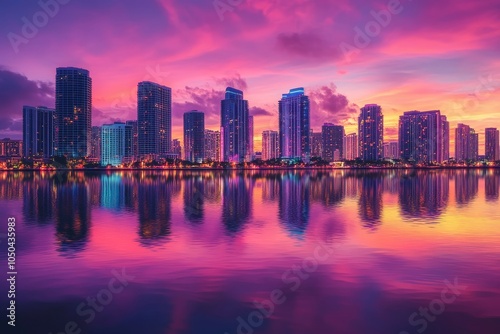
(67, 198)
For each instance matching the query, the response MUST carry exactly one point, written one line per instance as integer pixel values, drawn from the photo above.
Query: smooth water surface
(202, 252)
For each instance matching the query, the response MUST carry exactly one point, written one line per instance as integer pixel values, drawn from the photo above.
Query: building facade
(423, 136)
(371, 133)
(38, 132)
(212, 145)
(316, 144)
(492, 144)
(351, 146)
(154, 117)
(11, 148)
(235, 134)
(270, 145)
(466, 143)
(194, 136)
(73, 111)
(294, 125)
(116, 144)
(391, 150)
(95, 143)
(333, 140)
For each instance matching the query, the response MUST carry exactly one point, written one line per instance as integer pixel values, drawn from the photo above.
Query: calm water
(193, 252)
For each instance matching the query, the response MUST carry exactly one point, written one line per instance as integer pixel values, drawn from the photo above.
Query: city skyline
(456, 72)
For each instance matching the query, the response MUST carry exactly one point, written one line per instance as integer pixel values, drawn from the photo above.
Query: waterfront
(204, 246)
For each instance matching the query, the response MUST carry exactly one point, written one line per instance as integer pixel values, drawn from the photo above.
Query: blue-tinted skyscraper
(116, 143)
(234, 126)
(73, 112)
(371, 133)
(294, 123)
(154, 115)
(194, 136)
(38, 131)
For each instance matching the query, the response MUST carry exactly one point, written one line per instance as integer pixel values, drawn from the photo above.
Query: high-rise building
(73, 111)
(38, 131)
(423, 136)
(316, 144)
(234, 127)
(333, 139)
(391, 150)
(154, 116)
(177, 148)
(250, 156)
(11, 148)
(116, 144)
(445, 126)
(371, 133)
(95, 143)
(492, 144)
(351, 146)
(466, 143)
(194, 136)
(294, 123)
(135, 138)
(212, 145)
(270, 145)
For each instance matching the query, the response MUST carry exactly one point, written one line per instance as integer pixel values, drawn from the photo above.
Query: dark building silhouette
(73, 112)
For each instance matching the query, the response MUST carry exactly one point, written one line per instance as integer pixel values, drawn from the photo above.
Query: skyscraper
(491, 144)
(154, 116)
(391, 150)
(234, 126)
(135, 138)
(38, 131)
(316, 144)
(333, 140)
(11, 147)
(423, 136)
(250, 156)
(270, 145)
(371, 132)
(95, 143)
(212, 145)
(351, 146)
(177, 148)
(194, 136)
(445, 126)
(116, 143)
(294, 123)
(466, 143)
(73, 111)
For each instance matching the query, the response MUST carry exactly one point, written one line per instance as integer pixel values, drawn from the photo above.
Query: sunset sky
(425, 55)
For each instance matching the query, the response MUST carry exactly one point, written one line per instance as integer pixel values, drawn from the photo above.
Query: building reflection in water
(72, 212)
(117, 191)
(194, 197)
(38, 198)
(328, 188)
(423, 194)
(294, 202)
(492, 184)
(466, 185)
(270, 187)
(370, 186)
(236, 201)
(155, 192)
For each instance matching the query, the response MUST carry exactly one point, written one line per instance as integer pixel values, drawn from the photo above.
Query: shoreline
(243, 169)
